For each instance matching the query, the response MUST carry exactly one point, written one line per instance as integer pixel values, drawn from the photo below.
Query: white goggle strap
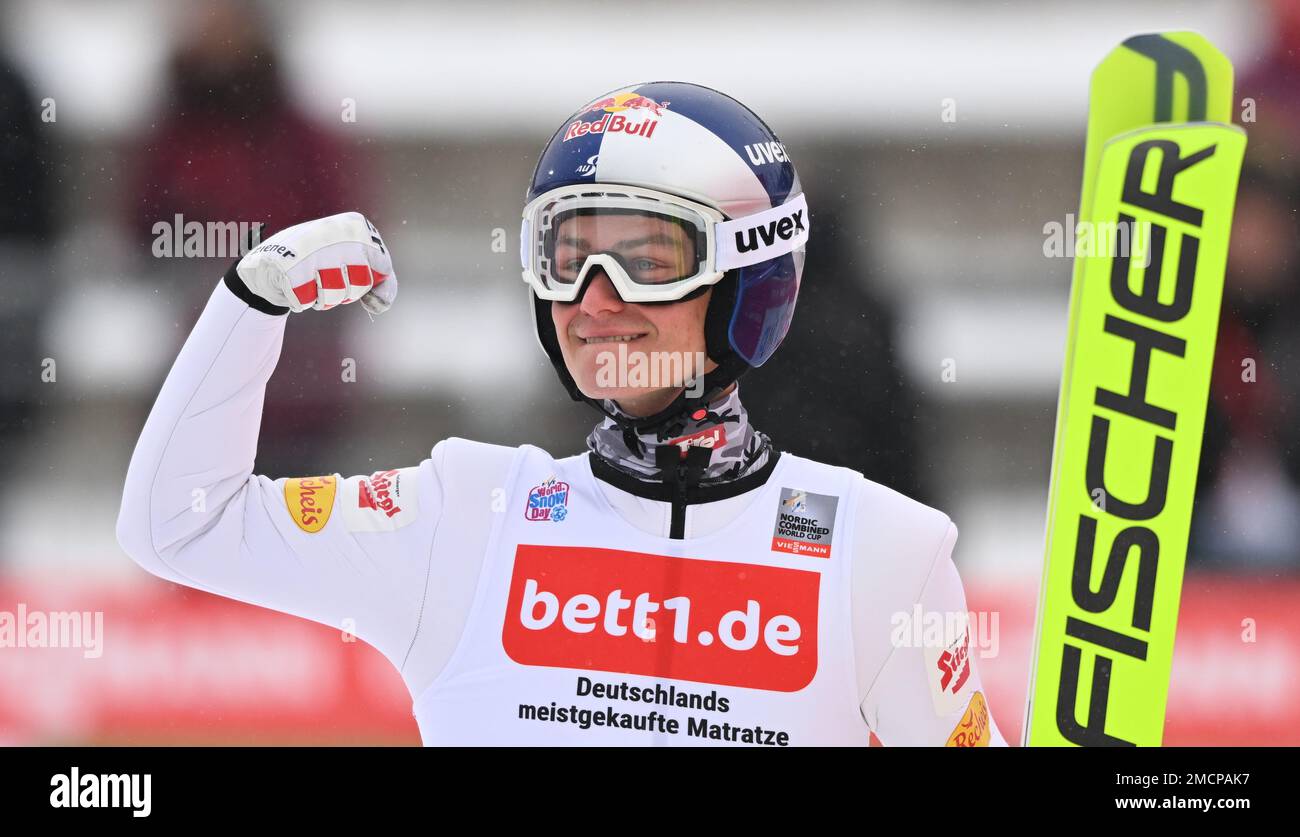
(763, 235)
(525, 244)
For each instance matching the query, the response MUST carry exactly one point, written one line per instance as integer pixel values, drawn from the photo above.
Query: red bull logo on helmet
(627, 113)
(625, 101)
(612, 123)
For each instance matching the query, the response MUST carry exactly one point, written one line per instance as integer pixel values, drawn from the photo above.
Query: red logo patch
(955, 664)
(377, 493)
(710, 437)
(714, 622)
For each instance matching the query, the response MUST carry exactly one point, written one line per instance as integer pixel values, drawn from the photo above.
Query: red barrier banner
(172, 665)
(154, 663)
(1236, 671)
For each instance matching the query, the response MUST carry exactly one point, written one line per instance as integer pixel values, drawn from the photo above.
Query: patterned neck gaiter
(737, 448)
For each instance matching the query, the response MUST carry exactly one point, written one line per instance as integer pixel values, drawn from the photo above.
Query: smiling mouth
(617, 338)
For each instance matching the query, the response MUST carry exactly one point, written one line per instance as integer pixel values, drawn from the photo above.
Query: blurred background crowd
(934, 145)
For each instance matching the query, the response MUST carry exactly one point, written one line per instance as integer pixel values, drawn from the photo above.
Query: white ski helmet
(709, 164)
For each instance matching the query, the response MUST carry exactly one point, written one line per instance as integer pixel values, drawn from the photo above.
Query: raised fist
(322, 263)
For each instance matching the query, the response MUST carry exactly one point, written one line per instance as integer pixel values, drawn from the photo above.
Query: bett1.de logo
(717, 622)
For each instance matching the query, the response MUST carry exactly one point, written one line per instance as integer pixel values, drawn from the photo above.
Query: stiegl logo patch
(382, 502)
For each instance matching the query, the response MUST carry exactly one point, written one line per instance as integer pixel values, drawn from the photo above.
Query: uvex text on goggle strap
(654, 246)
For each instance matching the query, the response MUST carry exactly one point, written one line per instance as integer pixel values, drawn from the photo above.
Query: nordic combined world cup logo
(548, 501)
(797, 503)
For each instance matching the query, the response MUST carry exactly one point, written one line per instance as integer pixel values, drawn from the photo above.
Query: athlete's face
(620, 350)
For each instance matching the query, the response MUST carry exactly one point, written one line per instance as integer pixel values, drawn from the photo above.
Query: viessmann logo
(705, 621)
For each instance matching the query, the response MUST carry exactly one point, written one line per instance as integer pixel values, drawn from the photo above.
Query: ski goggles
(653, 246)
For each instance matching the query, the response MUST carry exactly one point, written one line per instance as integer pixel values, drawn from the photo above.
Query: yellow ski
(1161, 162)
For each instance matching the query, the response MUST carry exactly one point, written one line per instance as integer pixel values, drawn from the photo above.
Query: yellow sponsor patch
(310, 500)
(973, 731)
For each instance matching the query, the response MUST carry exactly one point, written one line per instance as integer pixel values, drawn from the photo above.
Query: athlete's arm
(351, 553)
(917, 653)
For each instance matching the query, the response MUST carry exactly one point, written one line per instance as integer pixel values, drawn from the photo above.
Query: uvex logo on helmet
(765, 235)
(762, 153)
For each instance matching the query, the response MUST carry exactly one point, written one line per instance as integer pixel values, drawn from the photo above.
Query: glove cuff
(239, 289)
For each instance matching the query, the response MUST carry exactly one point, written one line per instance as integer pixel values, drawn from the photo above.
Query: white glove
(322, 263)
